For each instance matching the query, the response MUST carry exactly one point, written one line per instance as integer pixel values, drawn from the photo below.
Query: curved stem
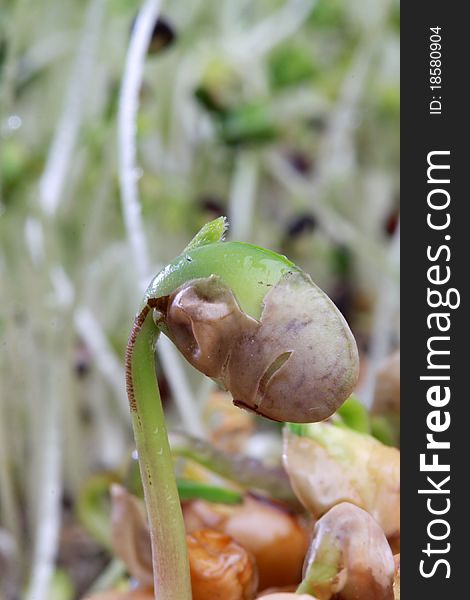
(169, 550)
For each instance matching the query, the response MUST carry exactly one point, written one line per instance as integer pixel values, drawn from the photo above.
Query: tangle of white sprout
(128, 179)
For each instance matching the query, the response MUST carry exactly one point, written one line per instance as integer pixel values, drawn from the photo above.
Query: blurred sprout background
(281, 114)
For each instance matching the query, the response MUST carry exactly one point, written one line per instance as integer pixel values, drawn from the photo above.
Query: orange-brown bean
(276, 539)
(273, 535)
(220, 568)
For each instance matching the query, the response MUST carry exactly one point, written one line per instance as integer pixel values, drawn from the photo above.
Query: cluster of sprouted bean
(205, 521)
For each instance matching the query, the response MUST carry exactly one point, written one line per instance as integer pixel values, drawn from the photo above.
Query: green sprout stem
(320, 575)
(169, 550)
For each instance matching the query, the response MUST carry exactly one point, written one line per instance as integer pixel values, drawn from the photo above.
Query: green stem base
(167, 532)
